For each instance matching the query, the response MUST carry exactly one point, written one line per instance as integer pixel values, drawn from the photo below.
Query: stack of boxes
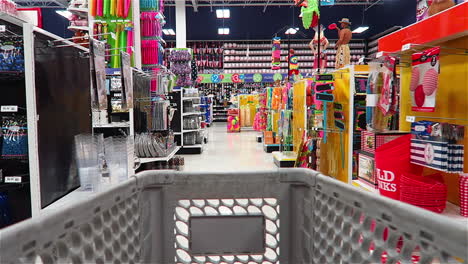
(268, 137)
(271, 137)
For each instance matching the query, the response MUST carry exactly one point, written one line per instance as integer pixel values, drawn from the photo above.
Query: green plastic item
(308, 13)
(106, 8)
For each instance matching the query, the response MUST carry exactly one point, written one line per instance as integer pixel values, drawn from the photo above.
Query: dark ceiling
(252, 23)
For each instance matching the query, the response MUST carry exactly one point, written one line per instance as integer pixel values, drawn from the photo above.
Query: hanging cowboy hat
(345, 20)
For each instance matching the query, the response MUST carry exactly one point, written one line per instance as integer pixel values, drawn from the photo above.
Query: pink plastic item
(130, 42)
(332, 26)
(127, 5)
(414, 79)
(99, 8)
(464, 194)
(430, 82)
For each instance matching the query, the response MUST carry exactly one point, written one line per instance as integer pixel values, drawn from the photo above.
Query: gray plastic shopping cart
(291, 216)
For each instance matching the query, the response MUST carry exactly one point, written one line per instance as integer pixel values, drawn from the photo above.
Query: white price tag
(2, 28)
(379, 54)
(12, 179)
(410, 119)
(9, 108)
(361, 60)
(406, 47)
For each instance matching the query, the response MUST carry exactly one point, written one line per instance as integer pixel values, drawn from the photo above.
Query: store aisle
(230, 152)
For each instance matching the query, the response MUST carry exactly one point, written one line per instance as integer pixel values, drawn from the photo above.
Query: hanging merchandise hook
(72, 38)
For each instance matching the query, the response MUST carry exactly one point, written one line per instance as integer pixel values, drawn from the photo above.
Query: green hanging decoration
(310, 14)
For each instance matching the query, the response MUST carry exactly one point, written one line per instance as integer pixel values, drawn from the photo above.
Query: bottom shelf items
(168, 157)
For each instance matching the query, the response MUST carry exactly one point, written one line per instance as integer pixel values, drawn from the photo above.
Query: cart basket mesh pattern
(288, 216)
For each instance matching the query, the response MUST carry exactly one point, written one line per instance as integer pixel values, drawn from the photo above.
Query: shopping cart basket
(291, 216)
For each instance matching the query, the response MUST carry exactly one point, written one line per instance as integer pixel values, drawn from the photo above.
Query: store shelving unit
(373, 42)
(255, 56)
(78, 28)
(167, 158)
(220, 113)
(80, 9)
(15, 187)
(207, 109)
(28, 179)
(177, 125)
(113, 125)
(452, 91)
(11, 19)
(116, 119)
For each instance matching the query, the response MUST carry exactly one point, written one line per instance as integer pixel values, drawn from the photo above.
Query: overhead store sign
(241, 78)
(327, 2)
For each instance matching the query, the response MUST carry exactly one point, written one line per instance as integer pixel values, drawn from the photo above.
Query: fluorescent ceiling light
(223, 31)
(169, 32)
(223, 13)
(65, 13)
(360, 29)
(291, 31)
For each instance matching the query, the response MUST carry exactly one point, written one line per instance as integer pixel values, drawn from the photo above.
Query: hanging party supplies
(276, 54)
(388, 89)
(424, 80)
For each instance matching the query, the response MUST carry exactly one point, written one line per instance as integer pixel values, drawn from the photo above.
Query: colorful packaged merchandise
(366, 168)
(463, 179)
(425, 80)
(276, 54)
(388, 89)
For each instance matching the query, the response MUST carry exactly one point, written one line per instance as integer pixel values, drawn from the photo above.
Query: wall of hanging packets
(321, 118)
(378, 122)
(277, 107)
(14, 137)
(11, 53)
(112, 24)
(208, 56)
(153, 113)
(14, 164)
(180, 65)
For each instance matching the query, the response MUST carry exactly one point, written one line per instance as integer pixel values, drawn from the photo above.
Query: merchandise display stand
(183, 133)
(219, 113)
(284, 159)
(35, 172)
(247, 109)
(15, 187)
(80, 23)
(112, 121)
(206, 108)
(452, 92)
